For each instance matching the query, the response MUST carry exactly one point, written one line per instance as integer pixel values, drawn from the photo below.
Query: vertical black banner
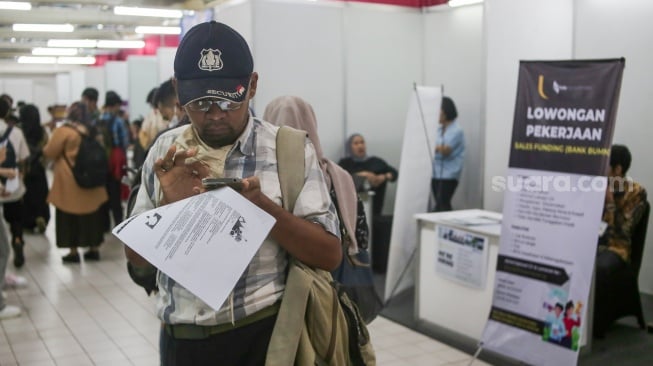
(565, 114)
(563, 126)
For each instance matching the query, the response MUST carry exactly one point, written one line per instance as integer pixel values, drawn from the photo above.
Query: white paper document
(462, 256)
(204, 242)
(12, 184)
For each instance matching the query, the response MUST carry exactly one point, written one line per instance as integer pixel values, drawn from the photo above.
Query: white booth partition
(143, 75)
(239, 15)
(77, 83)
(165, 57)
(453, 58)
(298, 50)
(95, 79)
(116, 78)
(516, 30)
(383, 58)
(631, 39)
(64, 95)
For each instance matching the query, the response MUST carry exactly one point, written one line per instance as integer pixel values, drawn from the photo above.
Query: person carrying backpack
(78, 221)
(6, 311)
(115, 138)
(36, 213)
(215, 81)
(17, 153)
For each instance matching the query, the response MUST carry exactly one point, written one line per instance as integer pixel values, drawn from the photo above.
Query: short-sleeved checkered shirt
(262, 283)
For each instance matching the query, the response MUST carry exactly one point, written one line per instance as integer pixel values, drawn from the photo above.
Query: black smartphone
(215, 183)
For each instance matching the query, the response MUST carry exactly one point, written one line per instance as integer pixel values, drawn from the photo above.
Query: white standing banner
(553, 201)
(413, 185)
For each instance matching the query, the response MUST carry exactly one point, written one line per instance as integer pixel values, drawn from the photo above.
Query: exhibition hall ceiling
(90, 20)
(99, 20)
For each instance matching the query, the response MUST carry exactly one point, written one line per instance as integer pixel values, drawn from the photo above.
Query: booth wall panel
(165, 57)
(19, 89)
(239, 16)
(516, 30)
(77, 84)
(63, 89)
(384, 57)
(35, 89)
(630, 39)
(95, 79)
(143, 76)
(116, 78)
(298, 51)
(453, 57)
(42, 95)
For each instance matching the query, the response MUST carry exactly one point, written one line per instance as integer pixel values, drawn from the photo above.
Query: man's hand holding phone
(249, 187)
(214, 183)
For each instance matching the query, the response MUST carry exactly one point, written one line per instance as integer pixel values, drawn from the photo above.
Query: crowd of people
(224, 139)
(30, 146)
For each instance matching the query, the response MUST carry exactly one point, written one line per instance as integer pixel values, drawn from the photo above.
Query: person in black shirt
(373, 169)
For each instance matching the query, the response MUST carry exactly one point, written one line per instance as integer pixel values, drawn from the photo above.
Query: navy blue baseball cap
(213, 60)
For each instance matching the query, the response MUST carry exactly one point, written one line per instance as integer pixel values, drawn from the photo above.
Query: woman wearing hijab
(78, 222)
(36, 212)
(375, 170)
(297, 113)
(356, 280)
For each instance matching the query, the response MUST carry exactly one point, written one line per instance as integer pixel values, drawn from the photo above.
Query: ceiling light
(72, 43)
(87, 60)
(43, 28)
(157, 30)
(455, 3)
(13, 5)
(44, 51)
(36, 60)
(147, 12)
(120, 44)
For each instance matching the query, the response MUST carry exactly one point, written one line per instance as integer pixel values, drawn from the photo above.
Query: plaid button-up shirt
(262, 283)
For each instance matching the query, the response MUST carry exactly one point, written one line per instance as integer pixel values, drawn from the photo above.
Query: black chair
(622, 298)
(637, 243)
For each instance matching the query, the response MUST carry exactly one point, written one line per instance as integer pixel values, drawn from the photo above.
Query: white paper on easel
(204, 242)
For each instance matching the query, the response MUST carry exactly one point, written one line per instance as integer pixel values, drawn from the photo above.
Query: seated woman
(375, 170)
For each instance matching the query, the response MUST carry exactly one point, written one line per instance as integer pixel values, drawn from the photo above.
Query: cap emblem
(210, 60)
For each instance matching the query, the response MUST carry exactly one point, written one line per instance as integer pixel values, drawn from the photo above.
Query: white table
(441, 301)
(462, 310)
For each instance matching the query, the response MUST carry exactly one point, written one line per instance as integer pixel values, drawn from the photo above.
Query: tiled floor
(92, 314)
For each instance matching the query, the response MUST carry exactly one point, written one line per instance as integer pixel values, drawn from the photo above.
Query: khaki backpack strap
(284, 341)
(289, 325)
(291, 165)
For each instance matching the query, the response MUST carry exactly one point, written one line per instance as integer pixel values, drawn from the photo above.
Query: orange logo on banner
(540, 87)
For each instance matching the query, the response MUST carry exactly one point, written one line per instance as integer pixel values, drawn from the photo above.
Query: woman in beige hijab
(297, 113)
(354, 274)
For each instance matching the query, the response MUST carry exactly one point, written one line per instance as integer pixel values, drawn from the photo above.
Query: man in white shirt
(6, 311)
(13, 210)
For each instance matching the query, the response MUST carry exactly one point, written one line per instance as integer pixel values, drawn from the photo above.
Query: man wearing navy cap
(215, 81)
